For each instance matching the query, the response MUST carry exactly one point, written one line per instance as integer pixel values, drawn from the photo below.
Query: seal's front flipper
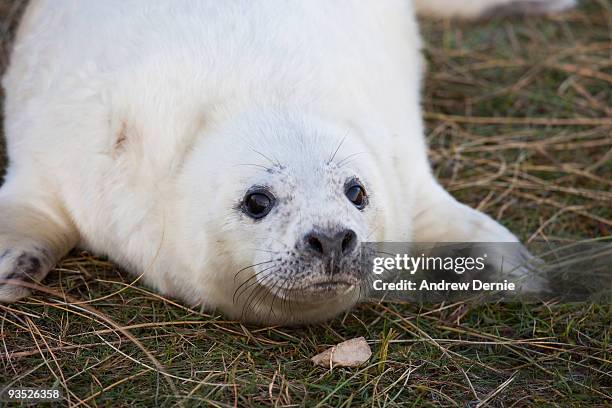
(438, 217)
(34, 235)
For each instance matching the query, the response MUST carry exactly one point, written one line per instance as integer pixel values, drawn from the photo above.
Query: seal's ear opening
(120, 139)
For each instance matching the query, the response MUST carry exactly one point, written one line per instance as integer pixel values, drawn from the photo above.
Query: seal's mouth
(321, 290)
(329, 286)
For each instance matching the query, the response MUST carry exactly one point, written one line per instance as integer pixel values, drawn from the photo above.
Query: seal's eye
(258, 203)
(356, 194)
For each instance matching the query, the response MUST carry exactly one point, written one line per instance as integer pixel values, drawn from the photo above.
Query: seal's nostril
(349, 241)
(337, 245)
(315, 244)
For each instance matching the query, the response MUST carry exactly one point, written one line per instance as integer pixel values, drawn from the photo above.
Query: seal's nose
(331, 245)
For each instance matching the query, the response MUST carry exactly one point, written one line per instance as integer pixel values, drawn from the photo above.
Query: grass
(519, 123)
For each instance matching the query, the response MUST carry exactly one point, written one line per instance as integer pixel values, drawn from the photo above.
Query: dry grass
(520, 123)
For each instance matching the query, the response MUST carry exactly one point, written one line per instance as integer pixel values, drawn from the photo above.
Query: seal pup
(233, 154)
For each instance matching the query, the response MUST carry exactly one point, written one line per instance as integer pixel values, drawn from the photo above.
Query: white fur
(478, 8)
(133, 128)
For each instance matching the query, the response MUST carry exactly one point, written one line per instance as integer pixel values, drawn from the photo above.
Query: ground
(519, 120)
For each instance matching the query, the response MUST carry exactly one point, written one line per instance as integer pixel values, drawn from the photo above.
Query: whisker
(274, 162)
(289, 298)
(282, 243)
(343, 161)
(331, 159)
(235, 298)
(265, 296)
(276, 295)
(255, 165)
(255, 293)
(266, 251)
(251, 266)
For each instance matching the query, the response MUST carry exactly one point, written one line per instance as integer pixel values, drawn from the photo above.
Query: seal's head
(288, 202)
